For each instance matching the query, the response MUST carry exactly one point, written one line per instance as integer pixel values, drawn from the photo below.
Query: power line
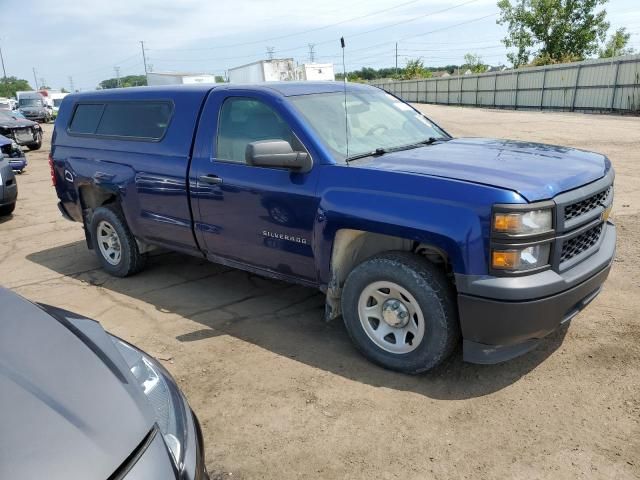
(368, 49)
(306, 32)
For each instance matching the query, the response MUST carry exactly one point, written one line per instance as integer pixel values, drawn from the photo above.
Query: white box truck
(276, 70)
(316, 72)
(171, 78)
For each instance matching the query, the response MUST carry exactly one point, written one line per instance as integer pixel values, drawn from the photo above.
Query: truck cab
(418, 239)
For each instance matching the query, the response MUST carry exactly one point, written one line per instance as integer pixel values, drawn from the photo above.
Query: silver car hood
(68, 404)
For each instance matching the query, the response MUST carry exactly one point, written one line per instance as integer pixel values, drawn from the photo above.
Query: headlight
(518, 259)
(163, 395)
(524, 223)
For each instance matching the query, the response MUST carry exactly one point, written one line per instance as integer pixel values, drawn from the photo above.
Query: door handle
(210, 179)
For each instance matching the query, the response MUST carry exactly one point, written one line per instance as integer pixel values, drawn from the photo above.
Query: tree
(552, 31)
(64, 90)
(474, 63)
(220, 79)
(128, 81)
(414, 70)
(10, 85)
(617, 44)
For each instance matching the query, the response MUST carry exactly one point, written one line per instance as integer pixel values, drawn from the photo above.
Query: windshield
(30, 102)
(376, 121)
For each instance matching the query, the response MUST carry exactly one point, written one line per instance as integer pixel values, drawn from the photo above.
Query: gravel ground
(280, 394)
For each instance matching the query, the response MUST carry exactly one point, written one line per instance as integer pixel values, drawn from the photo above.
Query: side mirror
(279, 154)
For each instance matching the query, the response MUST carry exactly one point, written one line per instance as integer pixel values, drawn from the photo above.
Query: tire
(426, 303)
(37, 144)
(7, 209)
(113, 242)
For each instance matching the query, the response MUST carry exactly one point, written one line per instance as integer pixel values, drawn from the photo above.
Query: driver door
(260, 217)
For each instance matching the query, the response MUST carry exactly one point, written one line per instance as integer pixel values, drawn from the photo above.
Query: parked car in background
(78, 403)
(417, 238)
(13, 154)
(8, 194)
(22, 131)
(5, 104)
(34, 106)
(56, 99)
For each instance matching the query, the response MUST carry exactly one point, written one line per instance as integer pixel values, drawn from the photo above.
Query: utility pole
(117, 70)
(270, 52)
(35, 78)
(71, 84)
(396, 58)
(4, 72)
(312, 52)
(144, 56)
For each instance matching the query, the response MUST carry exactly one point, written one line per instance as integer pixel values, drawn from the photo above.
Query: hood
(536, 171)
(63, 406)
(9, 121)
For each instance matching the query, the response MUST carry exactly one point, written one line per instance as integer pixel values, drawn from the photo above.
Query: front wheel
(400, 312)
(37, 144)
(7, 209)
(114, 243)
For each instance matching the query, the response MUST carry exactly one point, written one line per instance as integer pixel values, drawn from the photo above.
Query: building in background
(275, 70)
(172, 78)
(315, 71)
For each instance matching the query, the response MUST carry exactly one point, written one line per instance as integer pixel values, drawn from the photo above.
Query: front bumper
(152, 460)
(8, 187)
(18, 164)
(502, 318)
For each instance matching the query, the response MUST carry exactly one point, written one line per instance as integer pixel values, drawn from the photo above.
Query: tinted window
(135, 119)
(86, 118)
(244, 120)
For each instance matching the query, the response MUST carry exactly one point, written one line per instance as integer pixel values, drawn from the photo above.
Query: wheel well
(92, 197)
(352, 247)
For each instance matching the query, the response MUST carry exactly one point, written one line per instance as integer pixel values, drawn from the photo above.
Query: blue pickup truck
(417, 239)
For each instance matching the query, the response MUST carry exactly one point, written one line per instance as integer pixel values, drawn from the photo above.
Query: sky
(82, 42)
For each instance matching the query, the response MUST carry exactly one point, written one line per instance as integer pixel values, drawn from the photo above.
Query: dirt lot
(281, 394)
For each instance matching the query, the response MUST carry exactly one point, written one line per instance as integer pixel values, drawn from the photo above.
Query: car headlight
(166, 400)
(523, 223)
(518, 259)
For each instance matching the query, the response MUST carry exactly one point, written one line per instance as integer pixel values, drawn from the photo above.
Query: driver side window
(246, 120)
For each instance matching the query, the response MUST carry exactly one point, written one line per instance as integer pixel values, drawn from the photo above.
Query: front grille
(587, 205)
(581, 243)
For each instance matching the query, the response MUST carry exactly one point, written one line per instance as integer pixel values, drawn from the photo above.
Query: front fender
(450, 215)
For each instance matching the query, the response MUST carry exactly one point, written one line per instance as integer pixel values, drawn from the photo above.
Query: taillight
(53, 173)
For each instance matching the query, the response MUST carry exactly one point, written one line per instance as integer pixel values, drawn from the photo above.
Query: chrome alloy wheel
(391, 317)
(109, 243)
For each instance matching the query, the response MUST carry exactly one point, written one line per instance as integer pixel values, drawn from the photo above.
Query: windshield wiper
(382, 151)
(377, 151)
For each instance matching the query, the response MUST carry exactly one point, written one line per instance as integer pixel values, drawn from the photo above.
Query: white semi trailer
(275, 70)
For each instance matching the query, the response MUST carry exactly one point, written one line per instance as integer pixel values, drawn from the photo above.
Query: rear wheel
(7, 209)
(114, 243)
(400, 312)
